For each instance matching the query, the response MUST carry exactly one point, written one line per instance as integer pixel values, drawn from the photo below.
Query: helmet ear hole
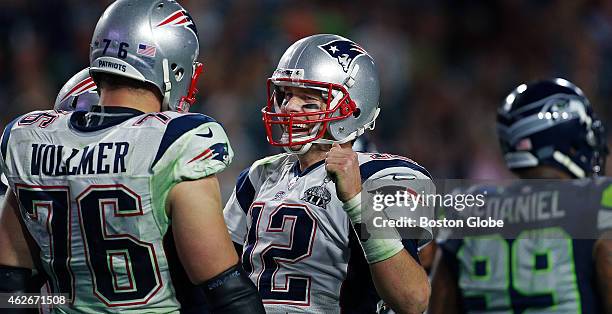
(179, 74)
(173, 66)
(357, 113)
(159, 6)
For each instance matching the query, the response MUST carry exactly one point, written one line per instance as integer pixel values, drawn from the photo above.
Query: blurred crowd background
(445, 66)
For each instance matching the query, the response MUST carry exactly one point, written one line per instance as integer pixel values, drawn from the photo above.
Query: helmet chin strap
(307, 146)
(167, 85)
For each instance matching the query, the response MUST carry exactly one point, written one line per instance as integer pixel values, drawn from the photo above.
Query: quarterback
(293, 215)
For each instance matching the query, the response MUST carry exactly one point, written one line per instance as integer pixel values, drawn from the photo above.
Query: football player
(80, 94)
(547, 130)
(292, 215)
(98, 191)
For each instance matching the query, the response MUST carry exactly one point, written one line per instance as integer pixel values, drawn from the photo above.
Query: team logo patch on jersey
(318, 196)
(179, 18)
(344, 51)
(220, 152)
(279, 195)
(217, 152)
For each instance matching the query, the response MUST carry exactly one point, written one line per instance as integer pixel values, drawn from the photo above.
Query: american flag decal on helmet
(83, 86)
(179, 18)
(146, 50)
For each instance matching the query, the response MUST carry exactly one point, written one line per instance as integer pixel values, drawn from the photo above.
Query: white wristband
(375, 250)
(352, 208)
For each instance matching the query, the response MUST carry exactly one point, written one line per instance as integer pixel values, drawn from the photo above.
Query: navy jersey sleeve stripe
(176, 128)
(6, 136)
(245, 192)
(373, 166)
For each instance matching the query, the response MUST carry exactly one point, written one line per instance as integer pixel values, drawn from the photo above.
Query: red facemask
(289, 122)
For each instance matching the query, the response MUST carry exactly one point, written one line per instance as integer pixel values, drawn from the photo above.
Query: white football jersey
(298, 245)
(93, 198)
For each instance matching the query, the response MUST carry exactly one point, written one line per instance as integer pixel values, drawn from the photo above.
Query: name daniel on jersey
(56, 160)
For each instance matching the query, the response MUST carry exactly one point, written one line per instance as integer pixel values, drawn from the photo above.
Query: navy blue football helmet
(551, 123)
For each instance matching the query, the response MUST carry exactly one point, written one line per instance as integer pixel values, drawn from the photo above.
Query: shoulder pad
(194, 146)
(270, 162)
(177, 127)
(266, 167)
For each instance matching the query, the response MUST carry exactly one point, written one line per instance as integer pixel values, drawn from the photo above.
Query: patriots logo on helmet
(344, 51)
(179, 18)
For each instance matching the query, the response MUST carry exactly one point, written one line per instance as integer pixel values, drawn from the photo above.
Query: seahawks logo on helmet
(344, 51)
(179, 18)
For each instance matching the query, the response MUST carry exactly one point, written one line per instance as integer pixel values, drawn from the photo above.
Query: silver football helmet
(78, 94)
(347, 78)
(149, 41)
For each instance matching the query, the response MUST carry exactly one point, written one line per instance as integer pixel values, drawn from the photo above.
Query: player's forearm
(402, 283)
(603, 265)
(15, 250)
(202, 241)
